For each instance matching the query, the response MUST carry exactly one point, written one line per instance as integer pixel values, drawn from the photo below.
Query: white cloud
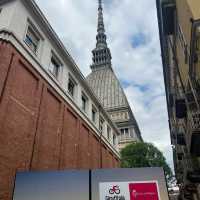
(140, 67)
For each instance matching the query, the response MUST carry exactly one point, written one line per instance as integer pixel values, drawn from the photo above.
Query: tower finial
(100, 3)
(101, 54)
(100, 28)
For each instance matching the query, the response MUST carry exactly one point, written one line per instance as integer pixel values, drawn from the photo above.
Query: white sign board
(146, 190)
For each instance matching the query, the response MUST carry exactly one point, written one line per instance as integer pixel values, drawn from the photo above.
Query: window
(84, 102)
(54, 66)
(124, 133)
(32, 39)
(101, 123)
(108, 132)
(94, 113)
(71, 86)
(114, 139)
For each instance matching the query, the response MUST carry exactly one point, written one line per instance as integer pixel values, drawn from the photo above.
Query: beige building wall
(194, 6)
(183, 67)
(184, 15)
(188, 10)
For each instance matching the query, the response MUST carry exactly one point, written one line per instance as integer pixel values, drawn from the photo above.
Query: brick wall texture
(38, 129)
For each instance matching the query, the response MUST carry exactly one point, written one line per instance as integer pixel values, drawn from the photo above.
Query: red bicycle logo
(114, 190)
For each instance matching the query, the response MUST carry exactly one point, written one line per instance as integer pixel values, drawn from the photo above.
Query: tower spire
(101, 37)
(100, 3)
(101, 54)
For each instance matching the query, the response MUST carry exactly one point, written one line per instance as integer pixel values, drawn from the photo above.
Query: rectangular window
(124, 133)
(32, 39)
(108, 132)
(71, 86)
(54, 66)
(114, 139)
(84, 100)
(101, 124)
(127, 136)
(94, 113)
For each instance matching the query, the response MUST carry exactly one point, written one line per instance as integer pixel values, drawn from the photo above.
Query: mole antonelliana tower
(108, 89)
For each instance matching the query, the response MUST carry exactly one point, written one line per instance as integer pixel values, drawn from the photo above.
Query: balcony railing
(191, 100)
(125, 138)
(195, 121)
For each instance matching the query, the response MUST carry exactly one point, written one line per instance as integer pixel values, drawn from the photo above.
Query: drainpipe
(101, 133)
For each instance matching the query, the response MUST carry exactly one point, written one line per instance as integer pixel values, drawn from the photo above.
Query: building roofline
(161, 35)
(61, 47)
(37, 11)
(31, 4)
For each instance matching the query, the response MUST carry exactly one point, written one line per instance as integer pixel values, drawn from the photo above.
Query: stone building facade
(49, 116)
(108, 89)
(179, 26)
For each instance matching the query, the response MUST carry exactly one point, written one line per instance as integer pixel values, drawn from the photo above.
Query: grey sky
(132, 31)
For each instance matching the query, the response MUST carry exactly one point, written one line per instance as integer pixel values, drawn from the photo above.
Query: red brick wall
(38, 129)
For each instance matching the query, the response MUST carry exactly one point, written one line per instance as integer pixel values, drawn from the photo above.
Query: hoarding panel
(102, 184)
(64, 185)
